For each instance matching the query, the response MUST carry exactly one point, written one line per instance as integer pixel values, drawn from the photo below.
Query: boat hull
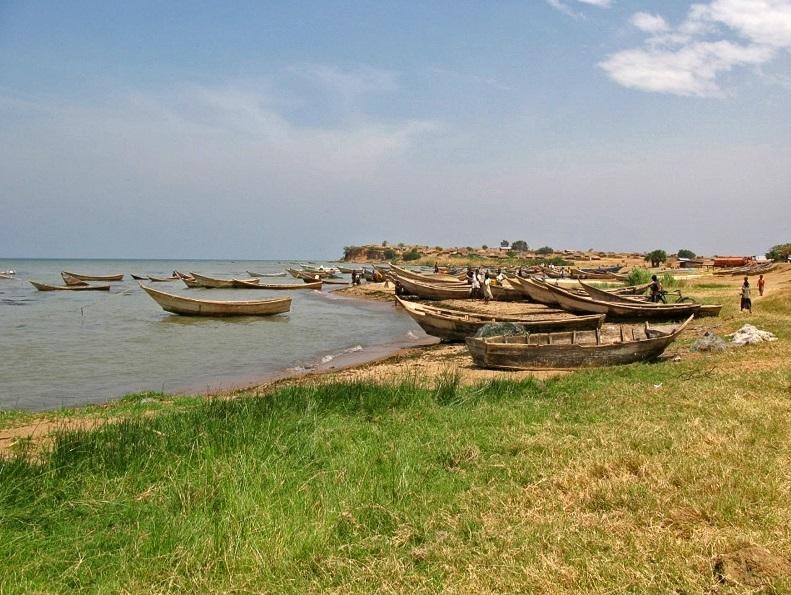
(192, 307)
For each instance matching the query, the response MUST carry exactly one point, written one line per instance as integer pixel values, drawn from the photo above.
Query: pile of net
(749, 335)
(709, 342)
(495, 329)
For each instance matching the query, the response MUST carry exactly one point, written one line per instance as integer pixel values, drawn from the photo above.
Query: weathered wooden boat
(570, 350)
(193, 307)
(638, 311)
(631, 289)
(610, 269)
(162, 279)
(85, 287)
(456, 325)
(430, 291)
(433, 278)
(535, 292)
(138, 277)
(330, 281)
(277, 274)
(608, 296)
(576, 273)
(72, 281)
(5, 276)
(81, 277)
(212, 282)
(244, 284)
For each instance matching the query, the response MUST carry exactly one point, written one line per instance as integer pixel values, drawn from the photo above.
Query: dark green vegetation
(780, 252)
(685, 253)
(624, 479)
(656, 257)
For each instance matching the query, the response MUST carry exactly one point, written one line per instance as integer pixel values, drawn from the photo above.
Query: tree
(779, 252)
(656, 257)
(545, 250)
(684, 253)
(484, 247)
(389, 253)
(384, 243)
(411, 254)
(504, 244)
(520, 246)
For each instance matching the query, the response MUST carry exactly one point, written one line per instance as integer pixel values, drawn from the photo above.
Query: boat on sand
(456, 325)
(242, 284)
(193, 307)
(571, 350)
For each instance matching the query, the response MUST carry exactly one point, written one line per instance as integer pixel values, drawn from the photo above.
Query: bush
(484, 247)
(389, 253)
(638, 276)
(684, 253)
(780, 252)
(544, 250)
(668, 281)
(411, 254)
(520, 246)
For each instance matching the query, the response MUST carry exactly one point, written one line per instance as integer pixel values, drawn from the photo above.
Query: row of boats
(564, 329)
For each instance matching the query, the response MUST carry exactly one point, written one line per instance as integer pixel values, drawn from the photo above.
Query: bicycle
(679, 298)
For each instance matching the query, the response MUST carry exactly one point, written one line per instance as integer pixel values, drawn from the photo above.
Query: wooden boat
(638, 311)
(570, 350)
(533, 291)
(138, 277)
(631, 289)
(575, 273)
(610, 269)
(433, 278)
(430, 291)
(244, 284)
(72, 281)
(607, 296)
(455, 325)
(163, 279)
(330, 281)
(278, 274)
(193, 307)
(114, 277)
(85, 287)
(5, 276)
(212, 282)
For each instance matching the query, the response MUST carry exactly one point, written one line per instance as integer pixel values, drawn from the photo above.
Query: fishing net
(496, 329)
(749, 335)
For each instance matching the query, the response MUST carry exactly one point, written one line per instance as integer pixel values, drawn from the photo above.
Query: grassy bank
(624, 479)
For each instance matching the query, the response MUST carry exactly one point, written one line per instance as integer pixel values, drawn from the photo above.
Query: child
(761, 283)
(746, 303)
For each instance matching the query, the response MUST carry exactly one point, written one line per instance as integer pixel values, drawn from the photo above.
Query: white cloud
(566, 9)
(691, 70)
(650, 23)
(689, 59)
(599, 3)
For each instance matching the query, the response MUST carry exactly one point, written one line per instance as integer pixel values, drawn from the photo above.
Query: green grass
(626, 479)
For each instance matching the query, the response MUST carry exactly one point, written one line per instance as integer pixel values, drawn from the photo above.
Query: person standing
(761, 284)
(656, 289)
(487, 289)
(746, 302)
(475, 287)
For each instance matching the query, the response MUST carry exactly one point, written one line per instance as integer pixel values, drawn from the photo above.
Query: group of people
(480, 282)
(657, 293)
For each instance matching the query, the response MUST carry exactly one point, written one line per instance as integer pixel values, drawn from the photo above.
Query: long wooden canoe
(163, 279)
(607, 296)
(278, 274)
(435, 278)
(430, 291)
(193, 307)
(212, 282)
(86, 287)
(81, 277)
(575, 273)
(639, 311)
(570, 350)
(533, 291)
(456, 325)
(72, 281)
(241, 283)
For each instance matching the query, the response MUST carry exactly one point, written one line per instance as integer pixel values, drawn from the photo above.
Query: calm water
(70, 348)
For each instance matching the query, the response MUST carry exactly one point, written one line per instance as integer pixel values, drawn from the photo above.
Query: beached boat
(162, 279)
(456, 325)
(535, 292)
(193, 307)
(431, 291)
(214, 283)
(428, 278)
(571, 350)
(243, 284)
(85, 287)
(82, 277)
(608, 296)
(576, 273)
(638, 311)
(278, 274)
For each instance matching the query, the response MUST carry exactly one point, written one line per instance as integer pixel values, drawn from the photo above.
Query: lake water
(60, 349)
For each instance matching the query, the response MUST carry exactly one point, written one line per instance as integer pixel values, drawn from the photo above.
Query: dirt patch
(33, 437)
(750, 566)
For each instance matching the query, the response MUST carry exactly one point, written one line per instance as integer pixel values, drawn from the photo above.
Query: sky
(269, 130)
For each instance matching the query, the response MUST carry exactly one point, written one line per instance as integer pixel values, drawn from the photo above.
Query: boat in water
(185, 306)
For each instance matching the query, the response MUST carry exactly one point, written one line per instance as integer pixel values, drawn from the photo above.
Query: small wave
(411, 335)
(354, 349)
(327, 359)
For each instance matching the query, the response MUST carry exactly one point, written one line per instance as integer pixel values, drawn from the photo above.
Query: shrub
(389, 253)
(411, 254)
(544, 250)
(520, 246)
(504, 243)
(638, 276)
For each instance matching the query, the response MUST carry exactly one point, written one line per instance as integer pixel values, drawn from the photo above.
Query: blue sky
(277, 130)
